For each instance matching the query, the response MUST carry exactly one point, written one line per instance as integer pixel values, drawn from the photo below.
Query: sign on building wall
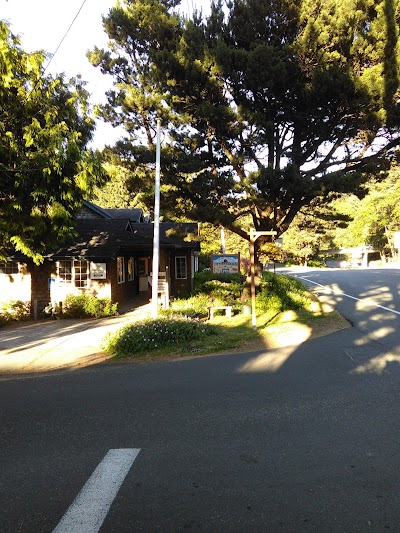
(225, 263)
(98, 270)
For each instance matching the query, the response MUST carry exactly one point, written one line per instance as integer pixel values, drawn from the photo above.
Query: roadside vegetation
(75, 306)
(87, 306)
(282, 303)
(13, 311)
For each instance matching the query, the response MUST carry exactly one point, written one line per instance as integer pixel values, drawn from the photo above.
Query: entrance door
(143, 271)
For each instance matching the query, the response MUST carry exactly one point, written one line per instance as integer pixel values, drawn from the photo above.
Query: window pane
(180, 268)
(65, 271)
(9, 267)
(120, 270)
(81, 273)
(131, 273)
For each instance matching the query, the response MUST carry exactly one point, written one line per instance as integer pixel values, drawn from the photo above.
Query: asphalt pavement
(300, 439)
(303, 438)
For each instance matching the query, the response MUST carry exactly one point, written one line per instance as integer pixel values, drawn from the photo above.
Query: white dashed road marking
(90, 507)
(338, 293)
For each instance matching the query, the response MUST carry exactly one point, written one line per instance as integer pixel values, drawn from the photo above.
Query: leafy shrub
(221, 289)
(152, 334)
(281, 293)
(88, 306)
(192, 307)
(201, 278)
(14, 310)
(316, 263)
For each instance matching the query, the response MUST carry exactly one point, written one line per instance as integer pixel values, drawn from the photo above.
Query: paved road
(368, 298)
(297, 439)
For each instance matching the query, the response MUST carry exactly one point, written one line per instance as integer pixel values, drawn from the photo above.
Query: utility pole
(156, 238)
(253, 237)
(223, 247)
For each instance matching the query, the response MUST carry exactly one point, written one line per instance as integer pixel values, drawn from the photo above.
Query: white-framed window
(131, 269)
(120, 270)
(9, 267)
(81, 273)
(65, 271)
(74, 272)
(180, 267)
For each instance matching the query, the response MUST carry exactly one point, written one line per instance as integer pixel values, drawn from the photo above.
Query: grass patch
(287, 313)
(150, 335)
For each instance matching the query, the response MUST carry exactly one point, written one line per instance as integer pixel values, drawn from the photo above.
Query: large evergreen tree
(265, 105)
(45, 167)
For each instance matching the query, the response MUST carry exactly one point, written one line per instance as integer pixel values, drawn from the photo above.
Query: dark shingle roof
(134, 215)
(91, 210)
(107, 238)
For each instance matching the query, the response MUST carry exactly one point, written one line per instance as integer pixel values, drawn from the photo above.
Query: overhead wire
(44, 70)
(65, 35)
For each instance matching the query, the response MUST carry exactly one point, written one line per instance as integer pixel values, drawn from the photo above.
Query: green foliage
(266, 105)
(192, 307)
(211, 241)
(270, 251)
(279, 293)
(314, 229)
(149, 335)
(118, 190)
(200, 278)
(14, 310)
(88, 306)
(316, 262)
(376, 216)
(209, 289)
(176, 328)
(220, 289)
(46, 169)
(223, 293)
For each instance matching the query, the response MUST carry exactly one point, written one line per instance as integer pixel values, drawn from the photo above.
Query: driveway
(43, 345)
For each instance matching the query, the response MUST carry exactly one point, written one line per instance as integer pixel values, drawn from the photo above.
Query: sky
(42, 24)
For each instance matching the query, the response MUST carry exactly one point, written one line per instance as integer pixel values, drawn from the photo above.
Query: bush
(201, 278)
(281, 293)
(192, 307)
(88, 306)
(151, 334)
(221, 289)
(316, 262)
(14, 310)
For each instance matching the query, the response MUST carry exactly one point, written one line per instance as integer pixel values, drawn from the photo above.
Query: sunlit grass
(286, 314)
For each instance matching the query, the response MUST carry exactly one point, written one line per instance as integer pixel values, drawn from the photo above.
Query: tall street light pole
(156, 238)
(253, 237)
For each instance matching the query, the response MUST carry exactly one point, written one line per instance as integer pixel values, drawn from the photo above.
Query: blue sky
(41, 24)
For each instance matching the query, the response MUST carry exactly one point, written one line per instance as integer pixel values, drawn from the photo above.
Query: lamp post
(253, 237)
(156, 237)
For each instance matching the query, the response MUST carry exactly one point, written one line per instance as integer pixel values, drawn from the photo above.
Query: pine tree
(265, 107)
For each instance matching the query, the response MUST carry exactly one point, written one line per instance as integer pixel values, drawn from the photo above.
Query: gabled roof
(91, 210)
(103, 234)
(133, 215)
(102, 239)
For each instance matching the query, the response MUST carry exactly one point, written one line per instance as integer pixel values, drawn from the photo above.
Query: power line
(53, 56)
(65, 35)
